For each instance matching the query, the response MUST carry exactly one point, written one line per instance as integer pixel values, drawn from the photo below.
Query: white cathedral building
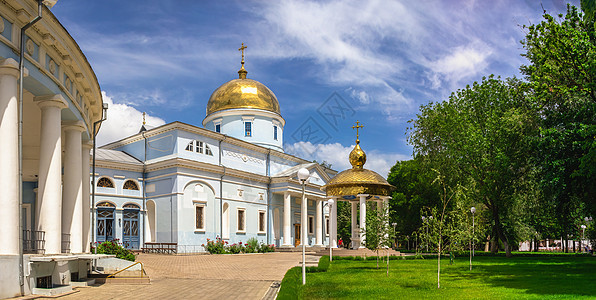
(179, 183)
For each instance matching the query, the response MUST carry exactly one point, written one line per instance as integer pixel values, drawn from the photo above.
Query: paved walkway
(241, 276)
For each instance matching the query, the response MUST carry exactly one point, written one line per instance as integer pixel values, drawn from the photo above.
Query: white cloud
(337, 155)
(462, 62)
(123, 120)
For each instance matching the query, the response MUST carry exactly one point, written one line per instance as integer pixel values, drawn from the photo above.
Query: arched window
(199, 147)
(105, 183)
(131, 206)
(106, 204)
(131, 185)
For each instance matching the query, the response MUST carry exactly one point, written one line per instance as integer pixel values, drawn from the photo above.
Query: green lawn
(536, 277)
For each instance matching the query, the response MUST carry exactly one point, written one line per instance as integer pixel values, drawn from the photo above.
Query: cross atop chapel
(242, 71)
(358, 126)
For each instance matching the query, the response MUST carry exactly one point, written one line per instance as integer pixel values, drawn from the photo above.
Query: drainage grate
(74, 276)
(44, 282)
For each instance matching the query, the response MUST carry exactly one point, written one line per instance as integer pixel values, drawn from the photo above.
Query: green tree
(562, 72)
(414, 190)
(446, 229)
(378, 233)
(479, 138)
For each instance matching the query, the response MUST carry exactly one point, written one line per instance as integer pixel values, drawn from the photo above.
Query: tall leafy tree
(562, 72)
(478, 138)
(414, 190)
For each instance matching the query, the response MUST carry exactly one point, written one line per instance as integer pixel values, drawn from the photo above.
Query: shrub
(264, 248)
(114, 248)
(235, 248)
(215, 247)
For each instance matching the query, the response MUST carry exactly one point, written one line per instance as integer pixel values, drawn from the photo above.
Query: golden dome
(357, 180)
(357, 157)
(242, 93)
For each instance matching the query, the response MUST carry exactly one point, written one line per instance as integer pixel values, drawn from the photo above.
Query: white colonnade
(9, 158)
(49, 194)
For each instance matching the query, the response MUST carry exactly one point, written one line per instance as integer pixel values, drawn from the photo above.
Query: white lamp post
(425, 225)
(473, 210)
(330, 202)
(394, 235)
(303, 175)
(582, 240)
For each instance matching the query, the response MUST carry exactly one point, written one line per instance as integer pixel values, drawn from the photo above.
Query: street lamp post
(425, 225)
(473, 210)
(303, 175)
(394, 234)
(330, 202)
(582, 240)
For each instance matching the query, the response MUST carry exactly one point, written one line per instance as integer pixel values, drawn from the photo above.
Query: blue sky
(329, 63)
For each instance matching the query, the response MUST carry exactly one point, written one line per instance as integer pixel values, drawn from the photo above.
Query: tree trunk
(439, 265)
(377, 258)
(387, 262)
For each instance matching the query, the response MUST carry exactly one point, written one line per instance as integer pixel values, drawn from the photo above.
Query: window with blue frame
(218, 128)
(275, 132)
(247, 129)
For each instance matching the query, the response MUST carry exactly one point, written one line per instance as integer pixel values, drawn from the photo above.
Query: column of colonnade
(49, 202)
(304, 233)
(362, 219)
(287, 220)
(319, 221)
(9, 158)
(85, 164)
(72, 202)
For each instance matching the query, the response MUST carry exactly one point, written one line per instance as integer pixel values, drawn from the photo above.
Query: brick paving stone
(240, 276)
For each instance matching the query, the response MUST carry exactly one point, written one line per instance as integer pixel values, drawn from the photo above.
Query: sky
(330, 63)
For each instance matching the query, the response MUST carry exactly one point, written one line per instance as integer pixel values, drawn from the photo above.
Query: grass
(530, 277)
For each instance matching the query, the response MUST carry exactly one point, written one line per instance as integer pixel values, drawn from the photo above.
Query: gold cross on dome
(242, 50)
(358, 126)
(144, 118)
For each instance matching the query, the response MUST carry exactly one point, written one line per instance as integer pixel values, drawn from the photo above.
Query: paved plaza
(242, 276)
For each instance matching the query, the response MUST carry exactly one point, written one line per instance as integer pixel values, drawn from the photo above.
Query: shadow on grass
(536, 275)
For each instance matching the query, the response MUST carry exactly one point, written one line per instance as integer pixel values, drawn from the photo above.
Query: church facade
(177, 183)
(182, 184)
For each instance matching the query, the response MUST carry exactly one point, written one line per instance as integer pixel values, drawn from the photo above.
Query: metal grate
(44, 282)
(34, 241)
(65, 243)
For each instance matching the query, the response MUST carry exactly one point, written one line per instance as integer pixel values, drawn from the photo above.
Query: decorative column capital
(73, 126)
(88, 145)
(51, 101)
(10, 66)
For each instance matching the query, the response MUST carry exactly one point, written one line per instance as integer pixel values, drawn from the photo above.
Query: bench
(168, 248)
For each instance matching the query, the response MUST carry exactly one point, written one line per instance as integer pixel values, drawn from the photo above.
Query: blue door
(105, 224)
(130, 227)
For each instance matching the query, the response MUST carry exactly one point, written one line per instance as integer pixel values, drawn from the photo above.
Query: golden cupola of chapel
(357, 180)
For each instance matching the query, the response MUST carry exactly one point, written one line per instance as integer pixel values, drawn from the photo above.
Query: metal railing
(142, 271)
(66, 243)
(34, 241)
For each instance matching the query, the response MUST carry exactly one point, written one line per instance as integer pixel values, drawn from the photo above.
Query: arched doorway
(226, 221)
(105, 221)
(151, 230)
(130, 226)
